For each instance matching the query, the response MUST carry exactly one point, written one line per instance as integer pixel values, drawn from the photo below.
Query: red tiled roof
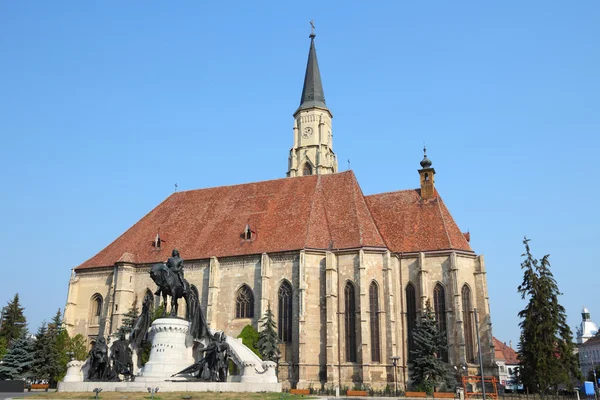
(409, 224)
(318, 211)
(505, 352)
(315, 211)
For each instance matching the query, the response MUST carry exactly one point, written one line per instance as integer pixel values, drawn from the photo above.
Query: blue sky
(105, 105)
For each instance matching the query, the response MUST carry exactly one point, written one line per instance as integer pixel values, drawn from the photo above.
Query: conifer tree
(60, 346)
(546, 345)
(17, 362)
(13, 321)
(268, 340)
(426, 368)
(130, 317)
(44, 355)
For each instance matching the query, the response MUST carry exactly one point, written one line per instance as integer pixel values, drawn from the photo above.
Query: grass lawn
(167, 396)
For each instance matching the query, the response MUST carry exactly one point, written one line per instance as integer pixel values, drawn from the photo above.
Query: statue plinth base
(169, 353)
(74, 373)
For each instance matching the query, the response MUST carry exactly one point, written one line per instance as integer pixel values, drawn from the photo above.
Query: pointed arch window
(467, 311)
(439, 305)
(374, 319)
(350, 322)
(411, 316)
(284, 313)
(96, 309)
(244, 303)
(307, 170)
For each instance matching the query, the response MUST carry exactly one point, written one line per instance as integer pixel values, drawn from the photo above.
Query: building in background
(507, 362)
(587, 329)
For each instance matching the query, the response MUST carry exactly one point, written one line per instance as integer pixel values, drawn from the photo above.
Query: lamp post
(395, 364)
(479, 351)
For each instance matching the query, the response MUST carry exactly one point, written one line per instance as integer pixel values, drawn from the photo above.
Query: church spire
(312, 91)
(312, 152)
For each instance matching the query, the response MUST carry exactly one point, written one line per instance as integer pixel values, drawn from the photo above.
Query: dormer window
(248, 234)
(157, 242)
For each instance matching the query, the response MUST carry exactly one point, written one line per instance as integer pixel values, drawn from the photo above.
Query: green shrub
(249, 337)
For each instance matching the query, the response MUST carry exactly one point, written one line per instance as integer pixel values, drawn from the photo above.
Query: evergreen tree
(268, 341)
(17, 362)
(546, 345)
(130, 317)
(60, 343)
(44, 355)
(426, 368)
(13, 321)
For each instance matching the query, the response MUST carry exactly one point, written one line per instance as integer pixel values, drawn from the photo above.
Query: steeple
(312, 152)
(426, 174)
(312, 91)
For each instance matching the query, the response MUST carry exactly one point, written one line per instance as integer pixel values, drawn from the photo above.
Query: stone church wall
(317, 352)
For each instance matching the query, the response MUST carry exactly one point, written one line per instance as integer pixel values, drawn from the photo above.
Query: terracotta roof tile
(409, 224)
(504, 352)
(318, 211)
(285, 214)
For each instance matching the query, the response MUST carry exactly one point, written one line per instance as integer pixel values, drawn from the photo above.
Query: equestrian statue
(171, 282)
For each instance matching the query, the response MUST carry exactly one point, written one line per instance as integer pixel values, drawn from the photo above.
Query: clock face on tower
(307, 132)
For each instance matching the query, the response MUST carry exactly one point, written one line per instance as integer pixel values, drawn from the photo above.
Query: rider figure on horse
(175, 265)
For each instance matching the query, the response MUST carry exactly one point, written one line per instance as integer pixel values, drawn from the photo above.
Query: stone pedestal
(74, 373)
(169, 353)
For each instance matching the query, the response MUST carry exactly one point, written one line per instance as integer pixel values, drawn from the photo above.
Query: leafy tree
(130, 317)
(546, 345)
(76, 345)
(268, 341)
(3, 347)
(426, 368)
(13, 321)
(249, 338)
(17, 362)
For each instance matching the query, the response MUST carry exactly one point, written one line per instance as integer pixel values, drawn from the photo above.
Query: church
(346, 275)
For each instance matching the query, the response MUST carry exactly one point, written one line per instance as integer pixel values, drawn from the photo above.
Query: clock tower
(312, 152)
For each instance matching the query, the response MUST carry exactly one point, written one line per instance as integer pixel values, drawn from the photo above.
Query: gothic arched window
(439, 305)
(411, 316)
(244, 303)
(284, 312)
(96, 309)
(374, 317)
(350, 322)
(467, 312)
(307, 170)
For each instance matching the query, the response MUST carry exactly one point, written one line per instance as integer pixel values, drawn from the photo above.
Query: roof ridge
(392, 192)
(364, 202)
(356, 214)
(438, 201)
(312, 207)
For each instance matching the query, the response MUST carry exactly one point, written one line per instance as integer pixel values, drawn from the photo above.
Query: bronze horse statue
(169, 285)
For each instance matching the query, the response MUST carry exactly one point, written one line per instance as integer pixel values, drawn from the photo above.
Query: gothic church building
(346, 275)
